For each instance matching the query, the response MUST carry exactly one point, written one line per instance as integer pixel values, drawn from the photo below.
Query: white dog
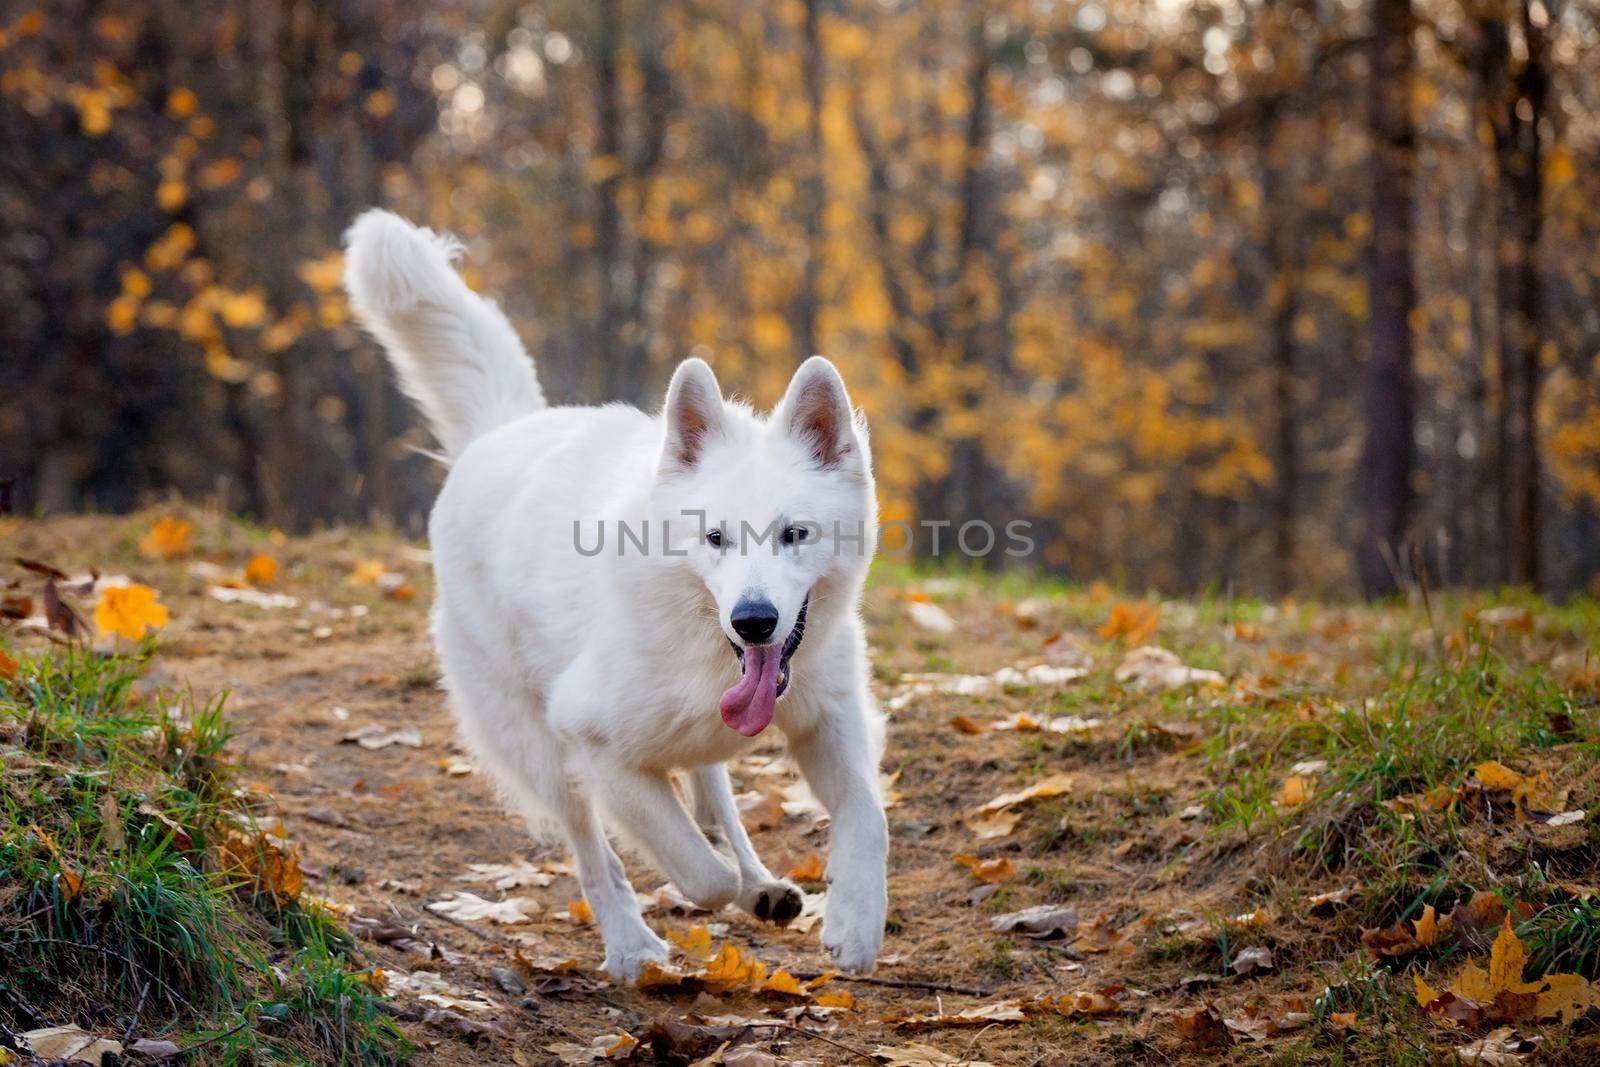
(584, 678)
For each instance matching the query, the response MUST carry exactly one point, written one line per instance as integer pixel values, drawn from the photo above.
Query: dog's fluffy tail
(456, 355)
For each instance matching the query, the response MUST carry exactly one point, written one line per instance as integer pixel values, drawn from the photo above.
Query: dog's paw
(854, 951)
(624, 961)
(778, 901)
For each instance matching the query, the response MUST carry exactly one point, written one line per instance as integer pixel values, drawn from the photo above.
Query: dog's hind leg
(760, 893)
(526, 759)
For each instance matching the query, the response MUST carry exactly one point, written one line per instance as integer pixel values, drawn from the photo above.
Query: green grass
(136, 885)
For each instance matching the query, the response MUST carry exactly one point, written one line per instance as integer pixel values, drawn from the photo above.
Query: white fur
(581, 681)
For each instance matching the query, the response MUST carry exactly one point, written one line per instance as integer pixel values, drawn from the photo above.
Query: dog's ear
(693, 412)
(816, 412)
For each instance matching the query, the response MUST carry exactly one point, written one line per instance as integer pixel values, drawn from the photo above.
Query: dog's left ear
(816, 412)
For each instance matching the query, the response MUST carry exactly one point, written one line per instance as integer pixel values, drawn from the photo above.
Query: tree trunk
(814, 192)
(1516, 96)
(1389, 450)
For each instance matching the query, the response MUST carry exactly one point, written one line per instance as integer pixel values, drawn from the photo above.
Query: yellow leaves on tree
(1500, 994)
(129, 611)
(1133, 622)
(181, 103)
(167, 539)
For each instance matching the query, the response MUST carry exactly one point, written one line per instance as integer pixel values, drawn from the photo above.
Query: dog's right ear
(694, 413)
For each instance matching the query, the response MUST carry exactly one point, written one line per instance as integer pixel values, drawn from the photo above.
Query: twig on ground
(823, 1037)
(174, 1057)
(898, 983)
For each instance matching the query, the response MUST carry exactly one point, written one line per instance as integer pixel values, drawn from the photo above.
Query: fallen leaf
(1203, 1028)
(1132, 621)
(579, 911)
(1007, 1011)
(1499, 1048)
(469, 907)
(455, 768)
(129, 611)
(367, 572)
(1157, 668)
(70, 1044)
(987, 871)
(695, 942)
(254, 597)
(167, 539)
(964, 725)
(930, 616)
(810, 869)
(261, 570)
(1054, 785)
(374, 736)
(1296, 790)
(1501, 993)
(1042, 922)
(1325, 903)
(1256, 959)
(505, 876)
(914, 1055)
(8, 666)
(608, 1047)
(993, 825)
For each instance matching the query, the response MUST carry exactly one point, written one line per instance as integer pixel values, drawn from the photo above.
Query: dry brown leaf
(1054, 785)
(964, 725)
(1006, 1011)
(993, 825)
(469, 907)
(374, 736)
(1133, 622)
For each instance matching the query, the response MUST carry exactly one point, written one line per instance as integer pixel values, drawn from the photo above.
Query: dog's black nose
(754, 620)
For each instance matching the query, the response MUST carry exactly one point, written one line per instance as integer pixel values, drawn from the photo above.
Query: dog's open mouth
(748, 706)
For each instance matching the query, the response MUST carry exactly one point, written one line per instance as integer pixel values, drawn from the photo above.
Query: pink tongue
(747, 707)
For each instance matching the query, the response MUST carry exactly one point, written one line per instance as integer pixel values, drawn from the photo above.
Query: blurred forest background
(1288, 295)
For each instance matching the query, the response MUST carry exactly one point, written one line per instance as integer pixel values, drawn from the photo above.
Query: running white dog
(583, 677)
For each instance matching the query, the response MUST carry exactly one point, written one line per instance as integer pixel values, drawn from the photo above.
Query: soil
(382, 832)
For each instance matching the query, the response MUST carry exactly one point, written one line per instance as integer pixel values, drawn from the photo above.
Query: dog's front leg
(643, 804)
(760, 893)
(837, 761)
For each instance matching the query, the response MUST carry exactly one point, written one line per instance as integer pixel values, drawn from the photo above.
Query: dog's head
(773, 515)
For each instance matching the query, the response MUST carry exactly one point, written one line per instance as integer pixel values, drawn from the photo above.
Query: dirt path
(1159, 825)
(383, 831)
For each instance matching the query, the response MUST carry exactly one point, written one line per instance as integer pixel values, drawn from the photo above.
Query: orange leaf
(8, 666)
(990, 871)
(167, 539)
(965, 725)
(809, 869)
(128, 611)
(261, 570)
(1134, 621)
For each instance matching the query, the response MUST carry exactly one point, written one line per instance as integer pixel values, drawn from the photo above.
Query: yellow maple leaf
(781, 981)
(580, 911)
(1494, 775)
(167, 539)
(730, 970)
(129, 610)
(1567, 997)
(1427, 928)
(835, 1000)
(261, 570)
(695, 942)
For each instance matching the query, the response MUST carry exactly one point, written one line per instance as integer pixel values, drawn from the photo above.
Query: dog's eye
(796, 535)
(714, 538)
